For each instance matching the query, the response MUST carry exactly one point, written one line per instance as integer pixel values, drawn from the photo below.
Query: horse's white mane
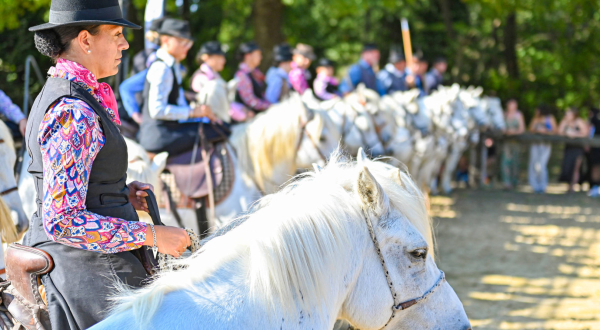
(270, 140)
(289, 244)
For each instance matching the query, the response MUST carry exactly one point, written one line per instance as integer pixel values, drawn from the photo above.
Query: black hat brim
(119, 22)
(178, 35)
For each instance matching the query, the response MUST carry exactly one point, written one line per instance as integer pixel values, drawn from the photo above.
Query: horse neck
(227, 286)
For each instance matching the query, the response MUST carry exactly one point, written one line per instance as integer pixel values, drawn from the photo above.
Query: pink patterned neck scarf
(102, 91)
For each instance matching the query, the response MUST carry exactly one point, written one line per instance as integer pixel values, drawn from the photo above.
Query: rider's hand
(170, 240)
(137, 195)
(137, 117)
(203, 111)
(410, 80)
(22, 126)
(250, 114)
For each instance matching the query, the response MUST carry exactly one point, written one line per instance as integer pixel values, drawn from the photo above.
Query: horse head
(398, 261)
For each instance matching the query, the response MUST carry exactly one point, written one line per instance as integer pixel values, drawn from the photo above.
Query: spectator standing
(299, 76)
(511, 150)
(542, 123)
(278, 76)
(325, 85)
(594, 155)
(572, 126)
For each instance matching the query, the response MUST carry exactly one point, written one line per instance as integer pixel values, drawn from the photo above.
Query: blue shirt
(274, 80)
(390, 80)
(355, 76)
(129, 88)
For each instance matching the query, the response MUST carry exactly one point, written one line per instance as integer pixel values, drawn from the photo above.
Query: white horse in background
(354, 124)
(13, 220)
(268, 146)
(305, 257)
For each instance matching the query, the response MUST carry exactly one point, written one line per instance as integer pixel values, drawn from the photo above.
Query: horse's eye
(322, 138)
(419, 254)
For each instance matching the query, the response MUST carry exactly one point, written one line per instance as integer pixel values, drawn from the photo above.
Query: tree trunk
(268, 28)
(510, 45)
(447, 16)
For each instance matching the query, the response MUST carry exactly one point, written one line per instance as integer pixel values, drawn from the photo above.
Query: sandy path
(522, 261)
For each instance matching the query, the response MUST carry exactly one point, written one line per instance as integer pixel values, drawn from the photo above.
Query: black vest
(398, 83)
(368, 78)
(257, 88)
(153, 132)
(107, 192)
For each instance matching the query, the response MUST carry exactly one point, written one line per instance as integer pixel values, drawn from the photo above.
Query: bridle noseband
(399, 306)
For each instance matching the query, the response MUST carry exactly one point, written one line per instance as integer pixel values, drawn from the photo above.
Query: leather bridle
(398, 305)
(303, 132)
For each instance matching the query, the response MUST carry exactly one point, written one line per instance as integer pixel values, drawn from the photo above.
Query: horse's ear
(361, 157)
(397, 176)
(370, 192)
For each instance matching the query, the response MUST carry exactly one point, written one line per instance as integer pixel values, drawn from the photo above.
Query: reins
(8, 191)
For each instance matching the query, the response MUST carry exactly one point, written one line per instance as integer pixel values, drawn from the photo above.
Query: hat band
(101, 14)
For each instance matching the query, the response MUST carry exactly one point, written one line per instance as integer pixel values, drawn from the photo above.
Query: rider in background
(435, 76)
(15, 119)
(299, 76)
(393, 77)
(251, 82)
(363, 71)
(278, 77)
(86, 214)
(416, 74)
(211, 58)
(131, 89)
(325, 85)
(166, 124)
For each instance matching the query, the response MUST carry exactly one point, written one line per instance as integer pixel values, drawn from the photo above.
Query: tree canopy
(537, 51)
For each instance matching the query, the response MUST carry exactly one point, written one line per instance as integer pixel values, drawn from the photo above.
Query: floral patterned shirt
(10, 110)
(245, 89)
(70, 138)
(299, 78)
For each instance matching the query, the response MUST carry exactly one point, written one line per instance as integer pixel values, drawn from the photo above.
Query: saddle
(22, 296)
(191, 177)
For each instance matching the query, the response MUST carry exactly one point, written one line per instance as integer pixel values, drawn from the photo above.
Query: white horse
(13, 221)
(268, 146)
(353, 122)
(348, 242)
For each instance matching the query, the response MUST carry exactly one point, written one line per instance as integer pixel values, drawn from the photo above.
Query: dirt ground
(519, 260)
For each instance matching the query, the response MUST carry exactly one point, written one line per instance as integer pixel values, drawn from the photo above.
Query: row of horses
(295, 247)
(427, 135)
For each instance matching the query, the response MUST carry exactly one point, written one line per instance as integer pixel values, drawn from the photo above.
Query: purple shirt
(298, 78)
(320, 85)
(9, 109)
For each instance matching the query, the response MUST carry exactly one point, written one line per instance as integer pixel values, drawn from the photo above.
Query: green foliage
(557, 56)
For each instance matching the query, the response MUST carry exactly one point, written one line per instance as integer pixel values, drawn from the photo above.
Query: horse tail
(8, 230)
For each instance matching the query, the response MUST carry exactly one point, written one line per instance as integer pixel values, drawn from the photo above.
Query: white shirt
(160, 76)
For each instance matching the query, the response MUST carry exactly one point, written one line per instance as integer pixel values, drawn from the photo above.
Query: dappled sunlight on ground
(521, 260)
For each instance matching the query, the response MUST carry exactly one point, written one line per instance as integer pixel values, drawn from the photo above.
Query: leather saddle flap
(23, 265)
(191, 178)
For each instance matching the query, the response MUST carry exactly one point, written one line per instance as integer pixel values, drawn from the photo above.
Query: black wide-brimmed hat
(306, 51)
(211, 48)
(325, 62)
(369, 46)
(396, 56)
(282, 53)
(176, 28)
(84, 12)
